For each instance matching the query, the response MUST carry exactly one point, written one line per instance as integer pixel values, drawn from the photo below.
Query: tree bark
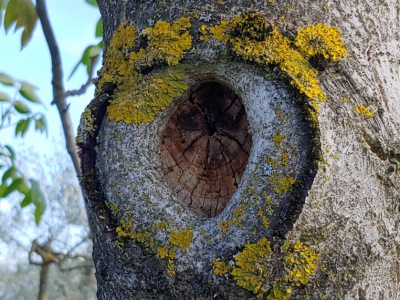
(331, 183)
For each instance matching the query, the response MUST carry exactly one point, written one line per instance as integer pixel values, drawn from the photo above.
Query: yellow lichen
(126, 231)
(220, 267)
(238, 215)
(163, 252)
(162, 225)
(365, 112)
(225, 225)
(181, 239)
(284, 184)
(88, 120)
(278, 138)
(113, 207)
(252, 265)
(321, 39)
(176, 239)
(264, 218)
(139, 97)
(300, 262)
(253, 39)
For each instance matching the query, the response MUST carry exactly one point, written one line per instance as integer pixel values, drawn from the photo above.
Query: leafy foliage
(23, 14)
(91, 53)
(18, 107)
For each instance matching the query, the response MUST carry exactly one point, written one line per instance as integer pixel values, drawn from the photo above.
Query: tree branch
(88, 83)
(58, 87)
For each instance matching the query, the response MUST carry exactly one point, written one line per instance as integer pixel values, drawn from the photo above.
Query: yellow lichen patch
(181, 239)
(284, 184)
(253, 39)
(88, 120)
(166, 44)
(238, 215)
(365, 112)
(225, 225)
(163, 252)
(113, 207)
(147, 96)
(321, 39)
(264, 218)
(252, 266)
(139, 97)
(278, 138)
(300, 262)
(220, 267)
(162, 225)
(126, 231)
(176, 239)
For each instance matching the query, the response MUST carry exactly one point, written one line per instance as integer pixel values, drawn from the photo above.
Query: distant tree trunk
(208, 200)
(44, 281)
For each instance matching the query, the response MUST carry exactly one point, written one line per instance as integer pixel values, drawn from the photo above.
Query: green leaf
(92, 2)
(40, 208)
(38, 200)
(21, 107)
(10, 173)
(11, 151)
(28, 92)
(3, 188)
(23, 14)
(22, 127)
(14, 186)
(6, 80)
(23, 187)
(3, 4)
(27, 200)
(4, 97)
(99, 28)
(40, 124)
(90, 51)
(11, 14)
(27, 13)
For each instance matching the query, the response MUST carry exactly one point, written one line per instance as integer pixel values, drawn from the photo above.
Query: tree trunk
(241, 187)
(44, 281)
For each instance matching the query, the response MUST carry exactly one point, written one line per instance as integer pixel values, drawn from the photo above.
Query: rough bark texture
(345, 205)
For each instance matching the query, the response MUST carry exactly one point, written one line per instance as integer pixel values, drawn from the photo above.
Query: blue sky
(74, 24)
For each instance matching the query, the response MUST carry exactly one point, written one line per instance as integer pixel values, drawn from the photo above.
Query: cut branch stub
(206, 146)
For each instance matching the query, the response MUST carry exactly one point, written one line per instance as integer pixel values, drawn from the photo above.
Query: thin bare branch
(58, 86)
(77, 267)
(89, 82)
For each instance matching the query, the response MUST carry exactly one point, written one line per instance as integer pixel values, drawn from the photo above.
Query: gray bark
(346, 204)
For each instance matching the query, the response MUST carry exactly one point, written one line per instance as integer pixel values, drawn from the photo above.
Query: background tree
(165, 142)
(60, 257)
(16, 112)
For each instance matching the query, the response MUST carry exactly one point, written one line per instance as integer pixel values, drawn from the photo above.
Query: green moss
(139, 95)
